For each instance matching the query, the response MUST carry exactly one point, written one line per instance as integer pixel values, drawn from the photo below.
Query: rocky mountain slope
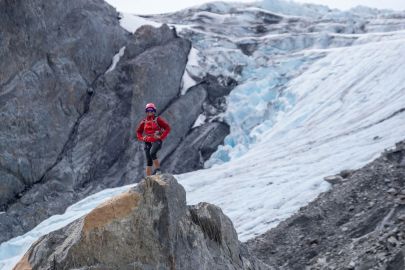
(358, 224)
(73, 85)
(148, 227)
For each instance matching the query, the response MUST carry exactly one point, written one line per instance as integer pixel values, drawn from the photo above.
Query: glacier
(343, 111)
(319, 91)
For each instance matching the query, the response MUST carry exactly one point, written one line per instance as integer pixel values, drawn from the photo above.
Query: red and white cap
(150, 106)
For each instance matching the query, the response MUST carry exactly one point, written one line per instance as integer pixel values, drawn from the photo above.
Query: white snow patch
(193, 57)
(131, 22)
(192, 62)
(187, 82)
(181, 27)
(200, 120)
(116, 59)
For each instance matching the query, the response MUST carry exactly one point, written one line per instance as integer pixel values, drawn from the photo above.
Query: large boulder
(148, 227)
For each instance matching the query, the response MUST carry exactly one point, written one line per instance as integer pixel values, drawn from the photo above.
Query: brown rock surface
(148, 227)
(114, 209)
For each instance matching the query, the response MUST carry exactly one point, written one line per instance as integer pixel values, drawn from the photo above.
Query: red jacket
(151, 126)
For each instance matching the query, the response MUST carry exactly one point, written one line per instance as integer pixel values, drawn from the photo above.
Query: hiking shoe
(158, 171)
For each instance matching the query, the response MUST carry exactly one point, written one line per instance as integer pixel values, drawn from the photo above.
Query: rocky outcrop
(198, 146)
(148, 227)
(201, 141)
(68, 117)
(358, 224)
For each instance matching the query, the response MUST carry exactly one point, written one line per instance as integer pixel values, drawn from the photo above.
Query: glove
(157, 137)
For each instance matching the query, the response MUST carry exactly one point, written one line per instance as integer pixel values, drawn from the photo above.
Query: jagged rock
(68, 126)
(392, 240)
(249, 48)
(398, 262)
(218, 86)
(392, 191)
(400, 200)
(346, 173)
(190, 104)
(357, 224)
(334, 179)
(148, 227)
(396, 154)
(198, 146)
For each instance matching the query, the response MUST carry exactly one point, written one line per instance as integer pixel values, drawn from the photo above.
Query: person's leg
(148, 156)
(153, 153)
(148, 170)
(156, 163)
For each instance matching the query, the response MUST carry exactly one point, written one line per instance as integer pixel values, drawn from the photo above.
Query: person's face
(150, 113)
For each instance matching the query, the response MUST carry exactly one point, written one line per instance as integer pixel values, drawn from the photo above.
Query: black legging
(151, 150)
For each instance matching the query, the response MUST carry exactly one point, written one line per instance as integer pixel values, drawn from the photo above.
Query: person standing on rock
(152, 130)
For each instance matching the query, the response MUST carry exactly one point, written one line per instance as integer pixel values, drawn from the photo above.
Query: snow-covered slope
(318, 92)
(343, 111)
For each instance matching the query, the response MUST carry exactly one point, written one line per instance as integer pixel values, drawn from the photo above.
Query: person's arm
(164, 125)
(139, 130)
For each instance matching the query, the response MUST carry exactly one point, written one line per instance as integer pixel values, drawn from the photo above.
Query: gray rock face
(68, 126)
(148, 227)
(359, 224)
(198, 146)
(46, 71)
(191, 151)
(190, 104)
